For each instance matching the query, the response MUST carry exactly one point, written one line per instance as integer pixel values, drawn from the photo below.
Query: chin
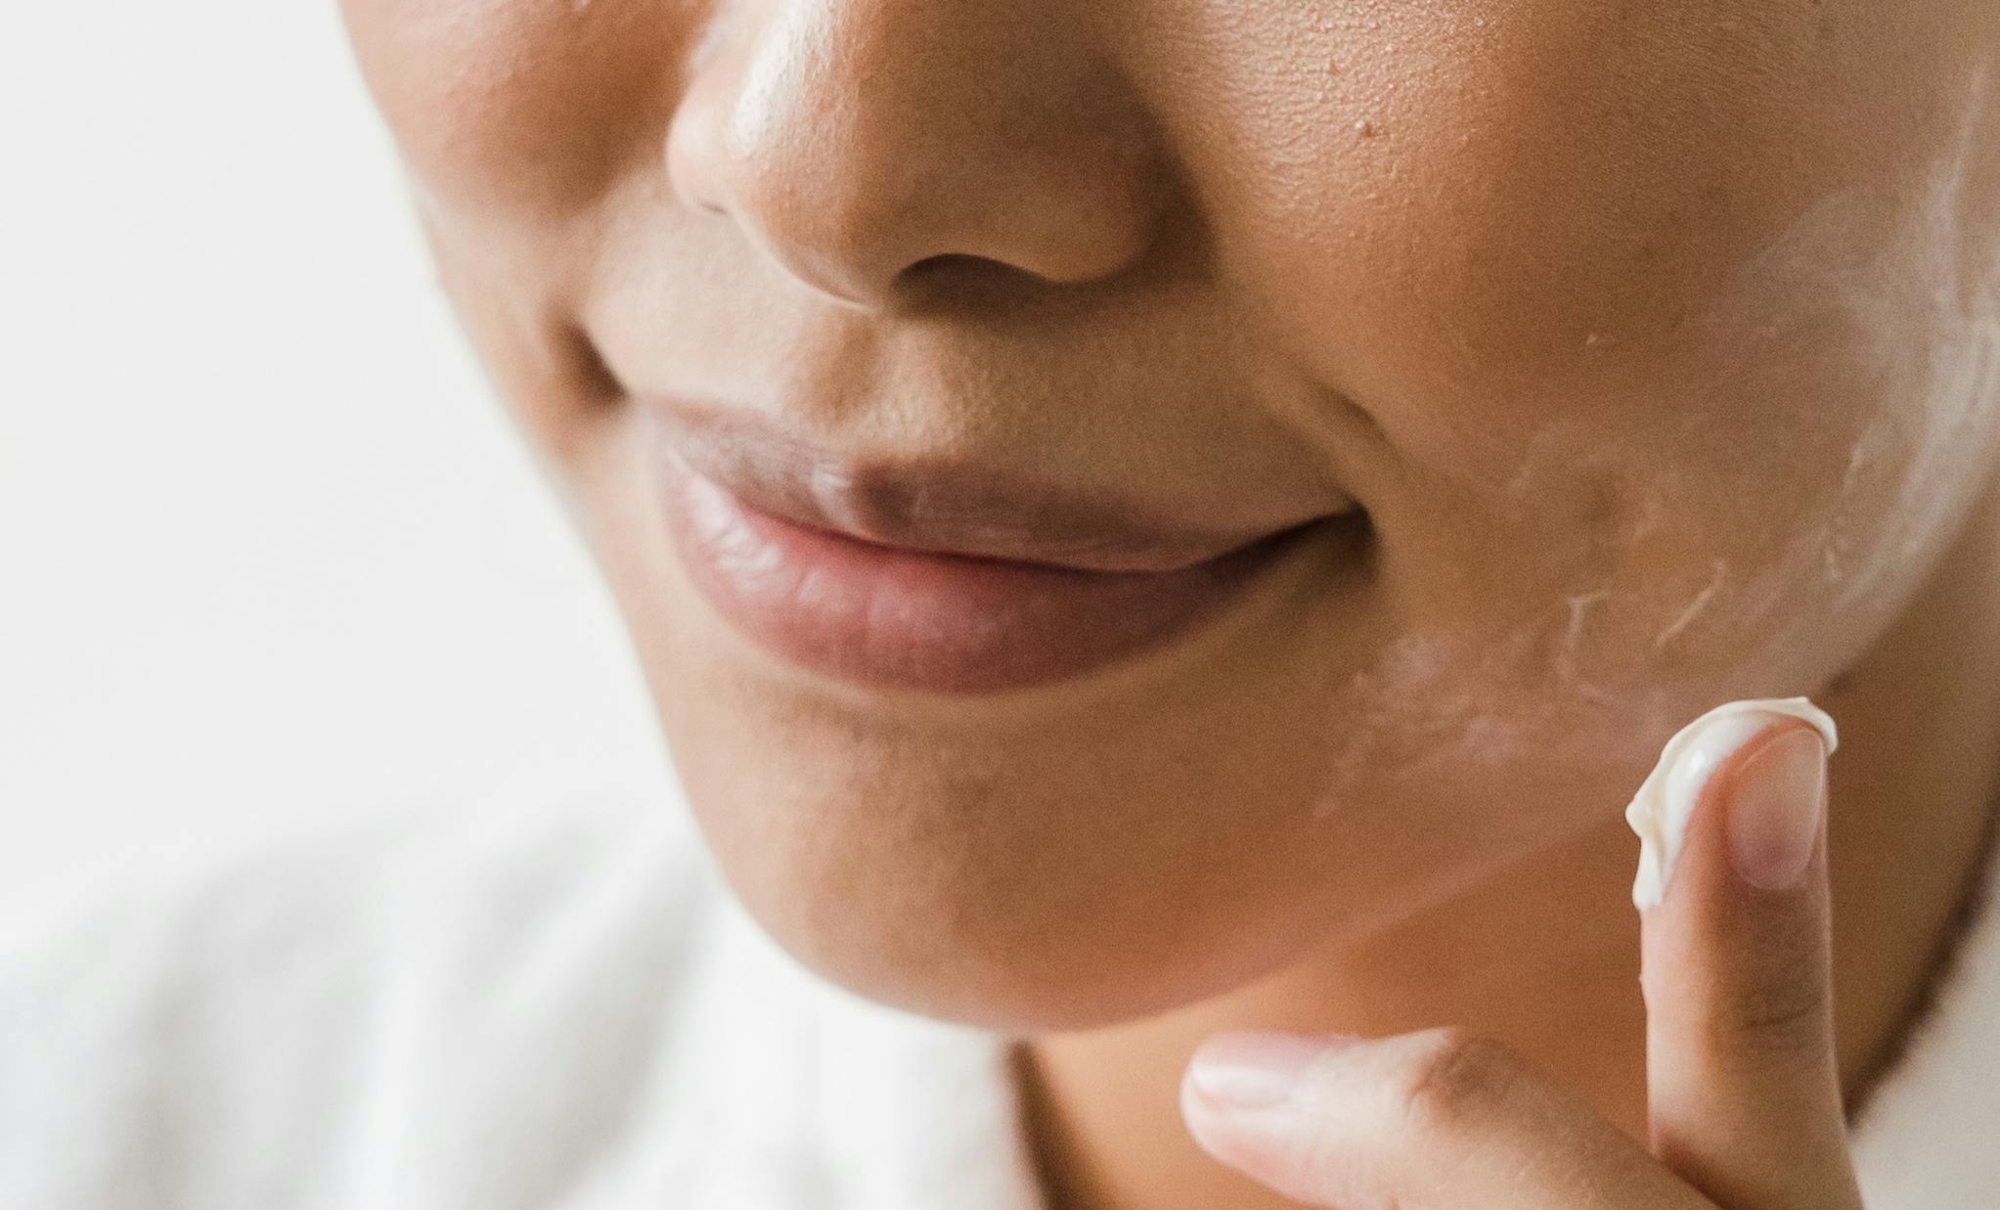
(1051, 871)
(1075, 868)
(918, 906)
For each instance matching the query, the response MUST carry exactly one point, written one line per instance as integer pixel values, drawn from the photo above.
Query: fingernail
(1774, 813)
(1256, 1071)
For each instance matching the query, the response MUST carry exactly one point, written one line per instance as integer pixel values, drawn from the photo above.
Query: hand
(1742, 1088)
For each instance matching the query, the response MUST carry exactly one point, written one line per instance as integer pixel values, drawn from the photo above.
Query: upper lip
(933, 505)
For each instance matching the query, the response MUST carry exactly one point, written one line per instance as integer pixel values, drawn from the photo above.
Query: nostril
(947, 265)
(943, 263)
(963, 272)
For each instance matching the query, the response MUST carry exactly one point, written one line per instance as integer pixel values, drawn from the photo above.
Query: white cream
(1660, 810)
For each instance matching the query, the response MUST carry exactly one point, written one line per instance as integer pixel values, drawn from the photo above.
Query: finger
(1429, 1121)
(1743, 1086)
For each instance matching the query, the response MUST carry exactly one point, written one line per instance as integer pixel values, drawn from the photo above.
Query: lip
(941, 507)
(946, 621)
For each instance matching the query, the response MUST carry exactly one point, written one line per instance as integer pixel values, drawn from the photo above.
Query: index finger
(1743, 1085)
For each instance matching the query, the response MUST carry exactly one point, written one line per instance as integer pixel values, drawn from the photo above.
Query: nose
(856, 140)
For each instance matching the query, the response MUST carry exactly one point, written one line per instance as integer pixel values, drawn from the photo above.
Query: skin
(1658, 342)
(1743, 1095)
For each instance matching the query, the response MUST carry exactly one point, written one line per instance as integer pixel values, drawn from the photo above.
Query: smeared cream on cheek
(1935, 327)
(1439, 702)
(1884, 322)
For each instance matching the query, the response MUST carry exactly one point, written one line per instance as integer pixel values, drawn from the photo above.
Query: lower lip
(896, 619)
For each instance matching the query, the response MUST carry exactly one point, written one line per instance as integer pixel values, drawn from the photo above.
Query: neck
(1545, 956)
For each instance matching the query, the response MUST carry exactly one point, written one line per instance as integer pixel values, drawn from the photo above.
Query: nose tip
(920, 146)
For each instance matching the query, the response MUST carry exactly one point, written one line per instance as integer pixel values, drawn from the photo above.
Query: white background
(269, 554)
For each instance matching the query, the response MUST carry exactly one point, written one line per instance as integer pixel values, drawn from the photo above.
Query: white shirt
(562, 1010)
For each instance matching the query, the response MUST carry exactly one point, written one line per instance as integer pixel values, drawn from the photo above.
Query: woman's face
(1597, 362)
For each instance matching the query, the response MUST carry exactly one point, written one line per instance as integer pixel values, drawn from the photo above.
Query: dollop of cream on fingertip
(1660, 811)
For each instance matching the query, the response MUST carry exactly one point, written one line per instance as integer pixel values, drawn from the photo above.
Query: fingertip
(1240, 1071)
(1663, 810)
(1664, 807)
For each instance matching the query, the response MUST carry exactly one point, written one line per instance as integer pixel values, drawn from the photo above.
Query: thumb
(1743, 1085)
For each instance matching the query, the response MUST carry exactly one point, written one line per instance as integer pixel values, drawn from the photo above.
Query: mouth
(941, 580)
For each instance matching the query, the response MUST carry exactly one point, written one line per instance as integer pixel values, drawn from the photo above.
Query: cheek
(1678, 333)
(1481, 210)
(519, 108)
